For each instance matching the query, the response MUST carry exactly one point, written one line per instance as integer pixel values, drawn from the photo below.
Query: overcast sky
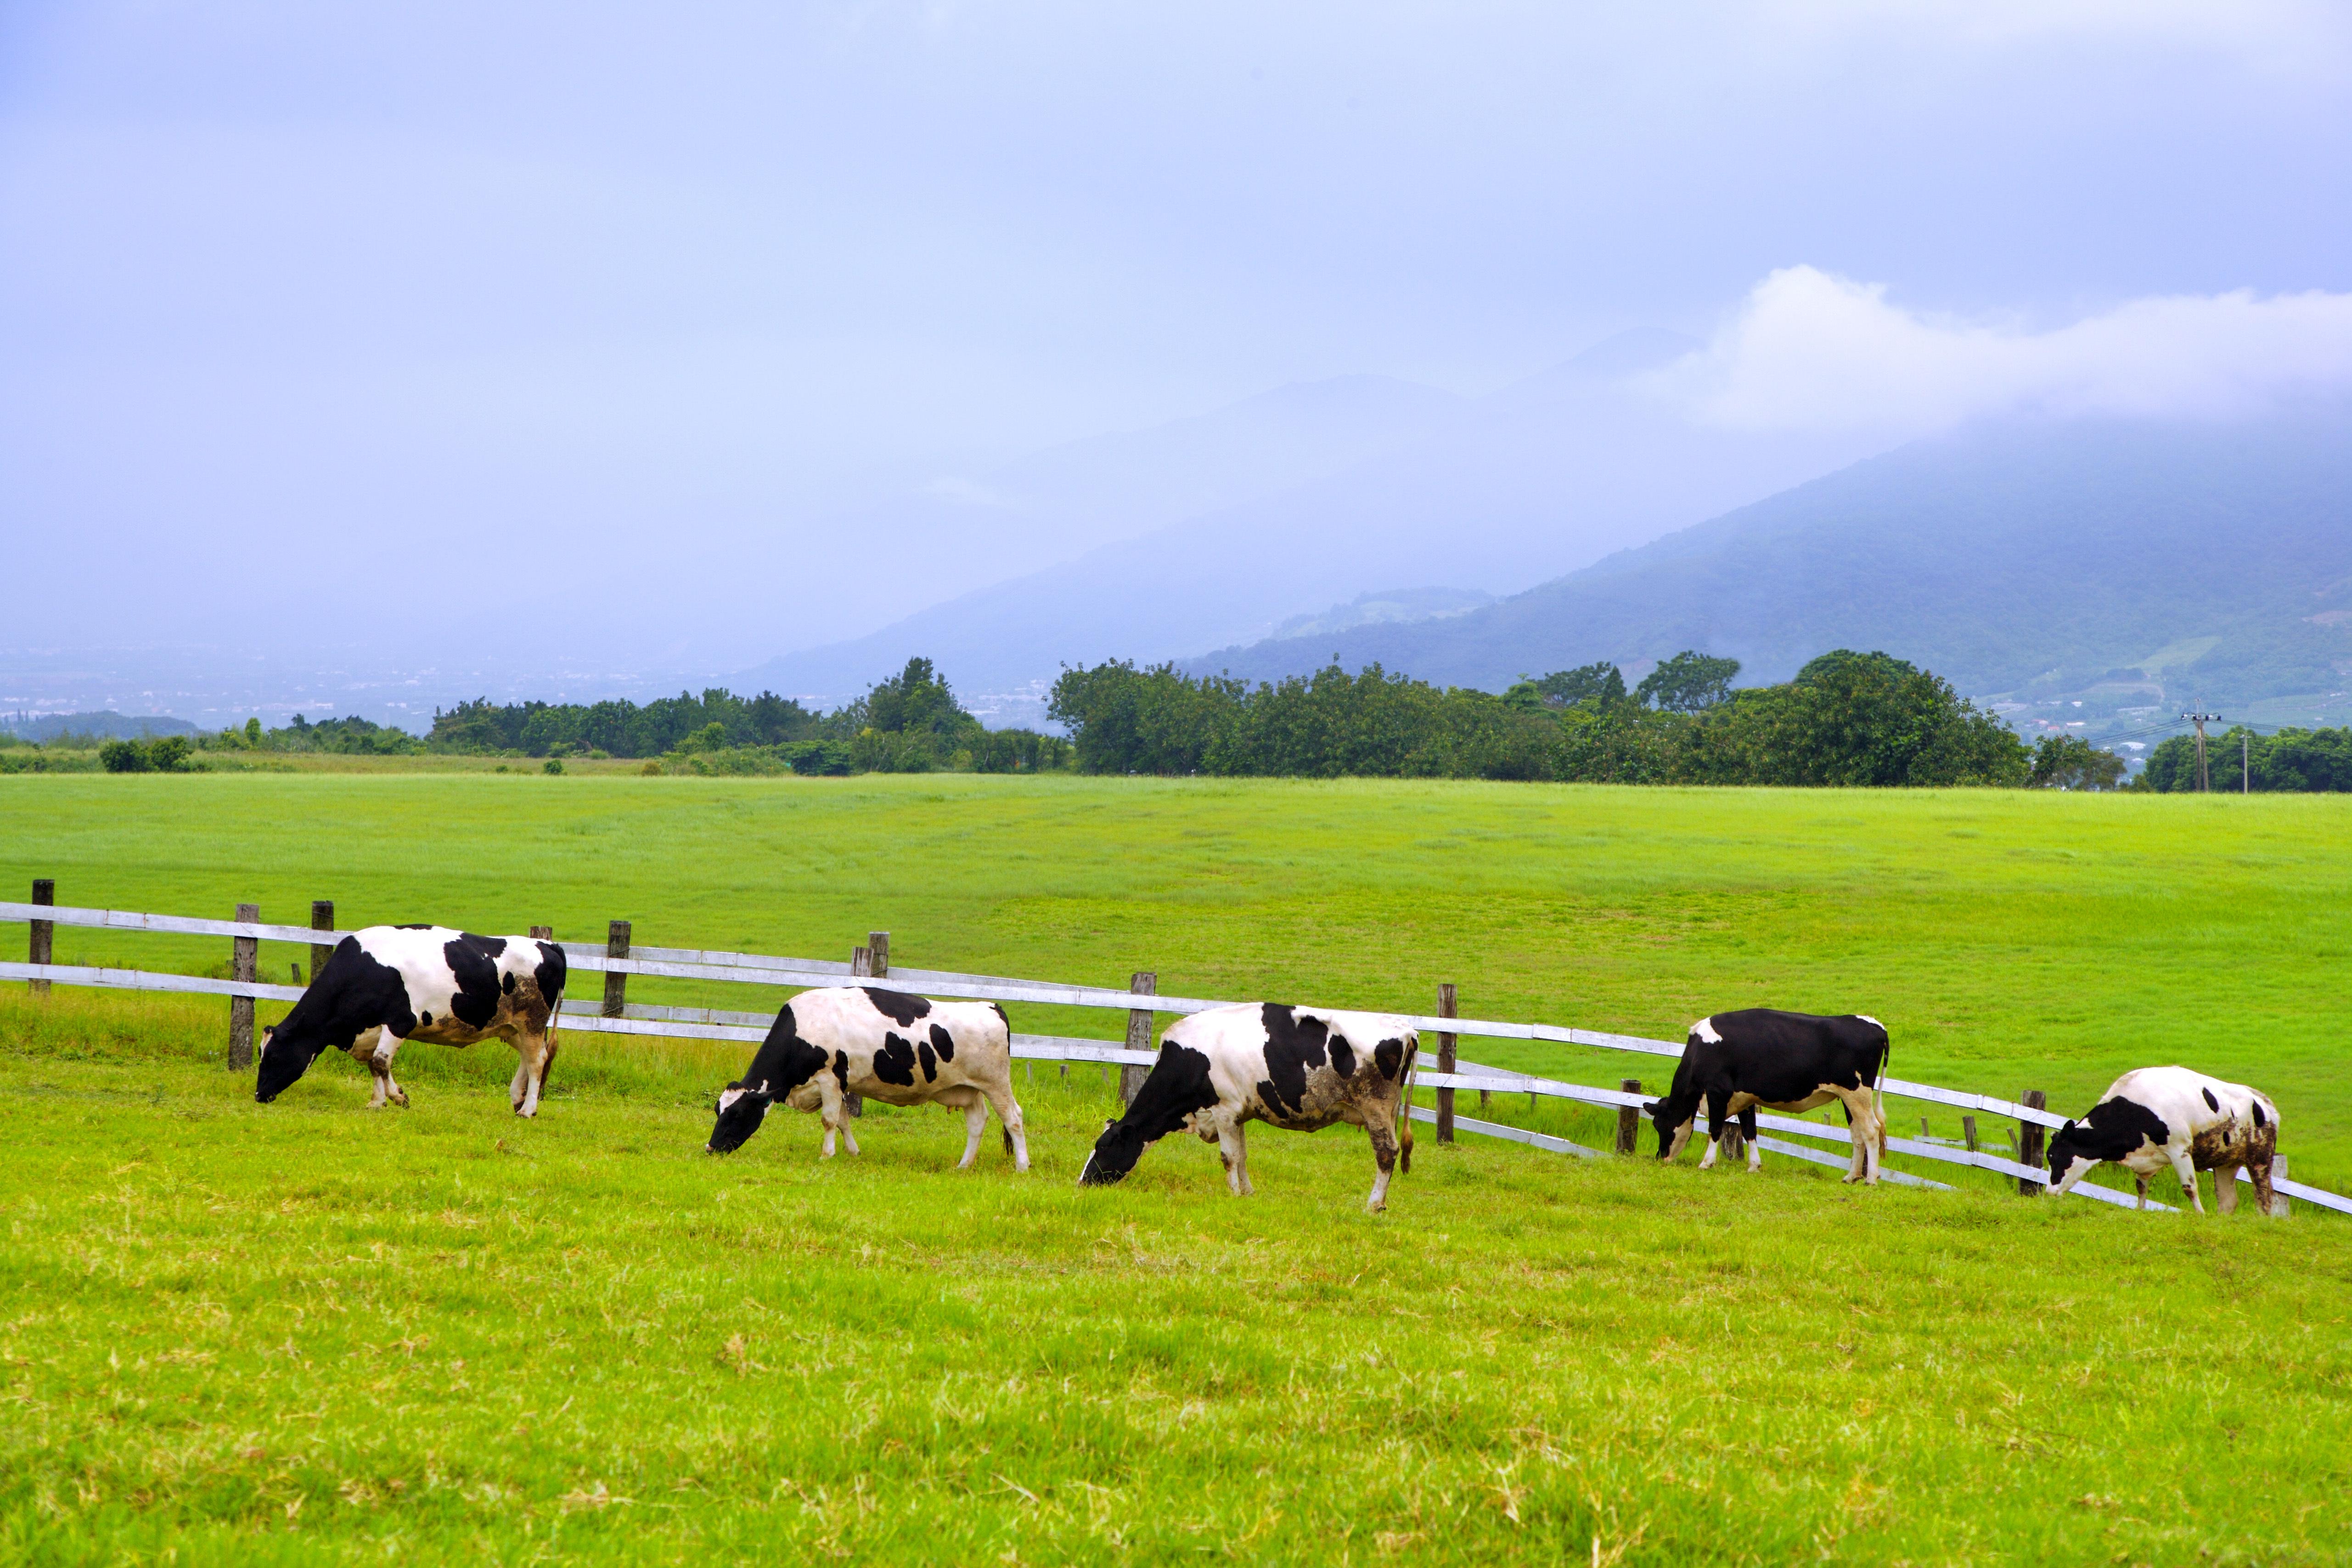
(360, 321)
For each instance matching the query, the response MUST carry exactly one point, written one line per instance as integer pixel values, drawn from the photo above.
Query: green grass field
(303, 1331)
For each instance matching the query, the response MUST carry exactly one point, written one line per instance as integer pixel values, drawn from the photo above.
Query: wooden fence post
(1447, 1007)
(2279, 1208)
(617, 986)
(244, 962)
(1969, 1132)
(1145, 983)
(1735, 1142)
(1629, 1119)
(322, 918)
(37, 950)
(877, 948)
(2029, 1141)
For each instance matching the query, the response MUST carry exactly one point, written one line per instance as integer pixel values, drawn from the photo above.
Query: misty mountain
(1540, 478)
(2015, 559)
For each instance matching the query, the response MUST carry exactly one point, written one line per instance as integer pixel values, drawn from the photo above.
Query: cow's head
(740, 1111)
(286, 1055)
(1115, 1153)
(1673, 1126)
(2069, 1157)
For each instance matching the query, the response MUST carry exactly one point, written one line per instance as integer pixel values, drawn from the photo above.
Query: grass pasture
(302, 1332)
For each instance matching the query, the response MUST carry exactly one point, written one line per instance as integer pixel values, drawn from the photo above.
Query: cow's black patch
(894, 1062)
(928, 1061)
(552, 970)
(426, 1018)
(477, 1001)
(2260, 1121)
(898, 1006)
(495, 946)
(351, 993)
(841, 1069)
(1343, 1056)
(784, 1063)
(2114, 1128)
(943, 1043)
(1293, 1045)
(1177, 1086)
(2211, 1103)
(507, 981)
(1388, 1056)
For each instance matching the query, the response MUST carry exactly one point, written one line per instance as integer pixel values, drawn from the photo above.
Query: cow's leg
(1747, 1133)
(2140, 1184)
(2259, 1168)
(1008, 1116)
(1866, 1123)
(535, 1050)
(1234, 1149)
(1719, 1117)
(380, 1061)
(521, 1082)
(975, 1122)
(1384, 1156)
(2225, 1189)
(2186, 1172)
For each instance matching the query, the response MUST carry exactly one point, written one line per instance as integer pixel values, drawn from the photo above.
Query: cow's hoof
(400, 1101)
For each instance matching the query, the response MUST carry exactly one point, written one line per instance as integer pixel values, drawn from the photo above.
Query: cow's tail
(1404, 1108)
(1878, 1092)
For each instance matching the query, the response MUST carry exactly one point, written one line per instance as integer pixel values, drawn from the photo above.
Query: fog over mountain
(1495, 494)
(2209, 560)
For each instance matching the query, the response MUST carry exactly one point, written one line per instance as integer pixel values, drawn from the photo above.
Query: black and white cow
(1792, 1063)
(393, 983)
(2153, 1117)
(1297, 1068)
(886, 1045)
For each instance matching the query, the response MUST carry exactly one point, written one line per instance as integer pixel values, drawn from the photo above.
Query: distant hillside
(1506, 490)
(2212, 561)
(48, 726)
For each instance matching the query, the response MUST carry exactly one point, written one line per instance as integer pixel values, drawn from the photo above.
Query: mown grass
(304, 1332)
(2009, 939)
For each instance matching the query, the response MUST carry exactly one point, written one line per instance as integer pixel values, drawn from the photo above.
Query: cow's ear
(268, 1031)
(2067, 1128)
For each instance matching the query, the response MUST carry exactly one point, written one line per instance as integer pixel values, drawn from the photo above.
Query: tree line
(1847, 718)
(2291, 760)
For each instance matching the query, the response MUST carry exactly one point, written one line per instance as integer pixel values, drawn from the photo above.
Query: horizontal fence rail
(767, 970)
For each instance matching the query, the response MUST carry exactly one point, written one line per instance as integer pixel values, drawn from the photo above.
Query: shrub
(123, 756)
(553, 764)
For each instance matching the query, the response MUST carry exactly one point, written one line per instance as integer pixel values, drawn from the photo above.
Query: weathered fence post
(1735, 1142)
(542, 933)
(616, 985)
(1447, 1007)
(2029, 1141)
(877, 948)
(1923, 1129)
(2280, 1208)
(1969, 1132)
(322, 918)
(45, 890)
(243, 963)
(1145, 983)
(1629, 1119)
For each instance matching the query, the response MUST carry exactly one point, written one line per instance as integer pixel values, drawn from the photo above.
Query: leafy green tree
(122, 757)
(2070, 762)
(1690, 682)
(1602, 683)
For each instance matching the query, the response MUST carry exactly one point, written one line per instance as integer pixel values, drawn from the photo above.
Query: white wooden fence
(619, 959)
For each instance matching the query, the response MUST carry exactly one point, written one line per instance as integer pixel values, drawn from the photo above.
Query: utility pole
(2200, 719)
(2245, 764)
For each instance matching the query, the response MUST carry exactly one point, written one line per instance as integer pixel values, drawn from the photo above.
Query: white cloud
(1811, 351)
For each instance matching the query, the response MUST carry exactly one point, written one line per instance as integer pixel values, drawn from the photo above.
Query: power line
(2200, 718)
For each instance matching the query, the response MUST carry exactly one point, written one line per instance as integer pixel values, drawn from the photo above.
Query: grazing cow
(1298, 1068)
(1792, 1063)
(827, 1045)
(393, 983)
(2155, 1116)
